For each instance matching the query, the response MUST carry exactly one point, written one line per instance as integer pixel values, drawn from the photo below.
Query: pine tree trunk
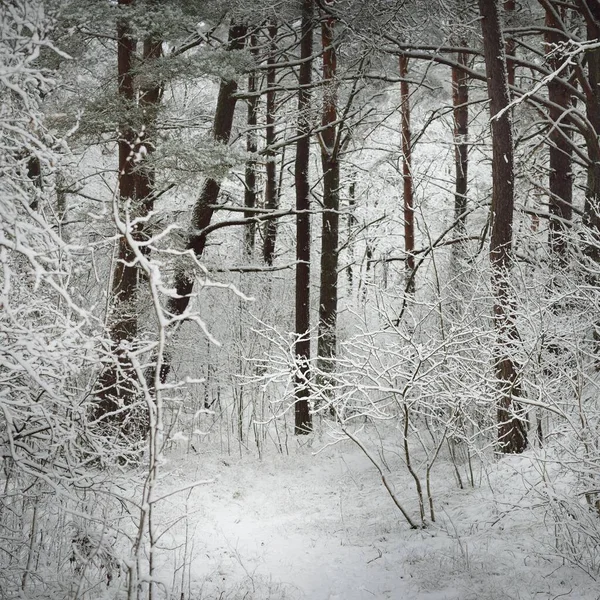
(460, 97)
(328, 298)
(116, 384)
(271, 193)
(251, 147)
(512, 435)
(591, 210)
(303, 418)
(203, 209)
(409, 206)
(560, 179)
(150, 94)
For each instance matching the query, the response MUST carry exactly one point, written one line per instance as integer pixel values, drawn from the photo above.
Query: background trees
(171, 144)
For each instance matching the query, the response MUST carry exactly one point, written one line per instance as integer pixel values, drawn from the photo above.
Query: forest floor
(320, 526)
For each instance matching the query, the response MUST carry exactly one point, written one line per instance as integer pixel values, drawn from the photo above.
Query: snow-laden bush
(46, 350)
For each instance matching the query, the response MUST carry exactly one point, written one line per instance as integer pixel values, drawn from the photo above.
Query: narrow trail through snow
(322, 527)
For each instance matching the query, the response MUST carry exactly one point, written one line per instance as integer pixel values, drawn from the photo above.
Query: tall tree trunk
(203, 209)
(591, 209)
(512, 435)
(251, 147)
(560, 179)
(303, 418)
(409, 206)
(328, 297)
(145, 178)
(116, 383)
(271, 193)
(460, 98)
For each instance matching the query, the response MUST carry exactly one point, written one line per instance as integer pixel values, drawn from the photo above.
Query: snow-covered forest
(300, 299)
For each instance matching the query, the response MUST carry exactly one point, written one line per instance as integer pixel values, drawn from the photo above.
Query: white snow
(320, 526)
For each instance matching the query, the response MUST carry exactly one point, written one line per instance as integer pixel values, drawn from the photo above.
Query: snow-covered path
(322, 527)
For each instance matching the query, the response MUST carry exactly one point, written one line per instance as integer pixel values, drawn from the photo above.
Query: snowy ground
(320, 526)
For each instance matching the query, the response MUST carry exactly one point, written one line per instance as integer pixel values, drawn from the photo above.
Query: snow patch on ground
(321, 527)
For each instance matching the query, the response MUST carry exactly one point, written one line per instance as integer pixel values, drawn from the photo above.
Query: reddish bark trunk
(328, 297)
(512, 435)
(145, 180)
(116, 385)
(591, 209)
(203, 209)
(303, 418)
(560, 179)
(251, 147)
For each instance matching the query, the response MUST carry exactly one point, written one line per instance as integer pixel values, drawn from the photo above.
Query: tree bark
(271, 192)
(116, 384)
(303, 418)
(145, 177)
(560, 182)
(328, 297)
(591, 209)
(251, 147)
(512, 435)
(460, 97)
(409, 207)
(203, 209)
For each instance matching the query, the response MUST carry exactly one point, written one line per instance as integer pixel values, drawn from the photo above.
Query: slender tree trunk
(251, 147)
(328, 298)
(460, 97)
(203, 209)
(591, 210)
(303, 418)
(116, 383)
(409, 206)
(351, 225)
(560, 179)
(512, 435)
(271, 193)
(145, 178)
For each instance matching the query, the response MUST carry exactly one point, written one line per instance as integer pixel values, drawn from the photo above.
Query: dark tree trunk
(145, 178)
(251, 147)
(591, 210)
(117, 381)
(203, 209)
(271, 193)
(460, 98)
(512, 435)
(328, 298)
(560, 179)
(409, 206)
(303, 418)
(351, 225)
